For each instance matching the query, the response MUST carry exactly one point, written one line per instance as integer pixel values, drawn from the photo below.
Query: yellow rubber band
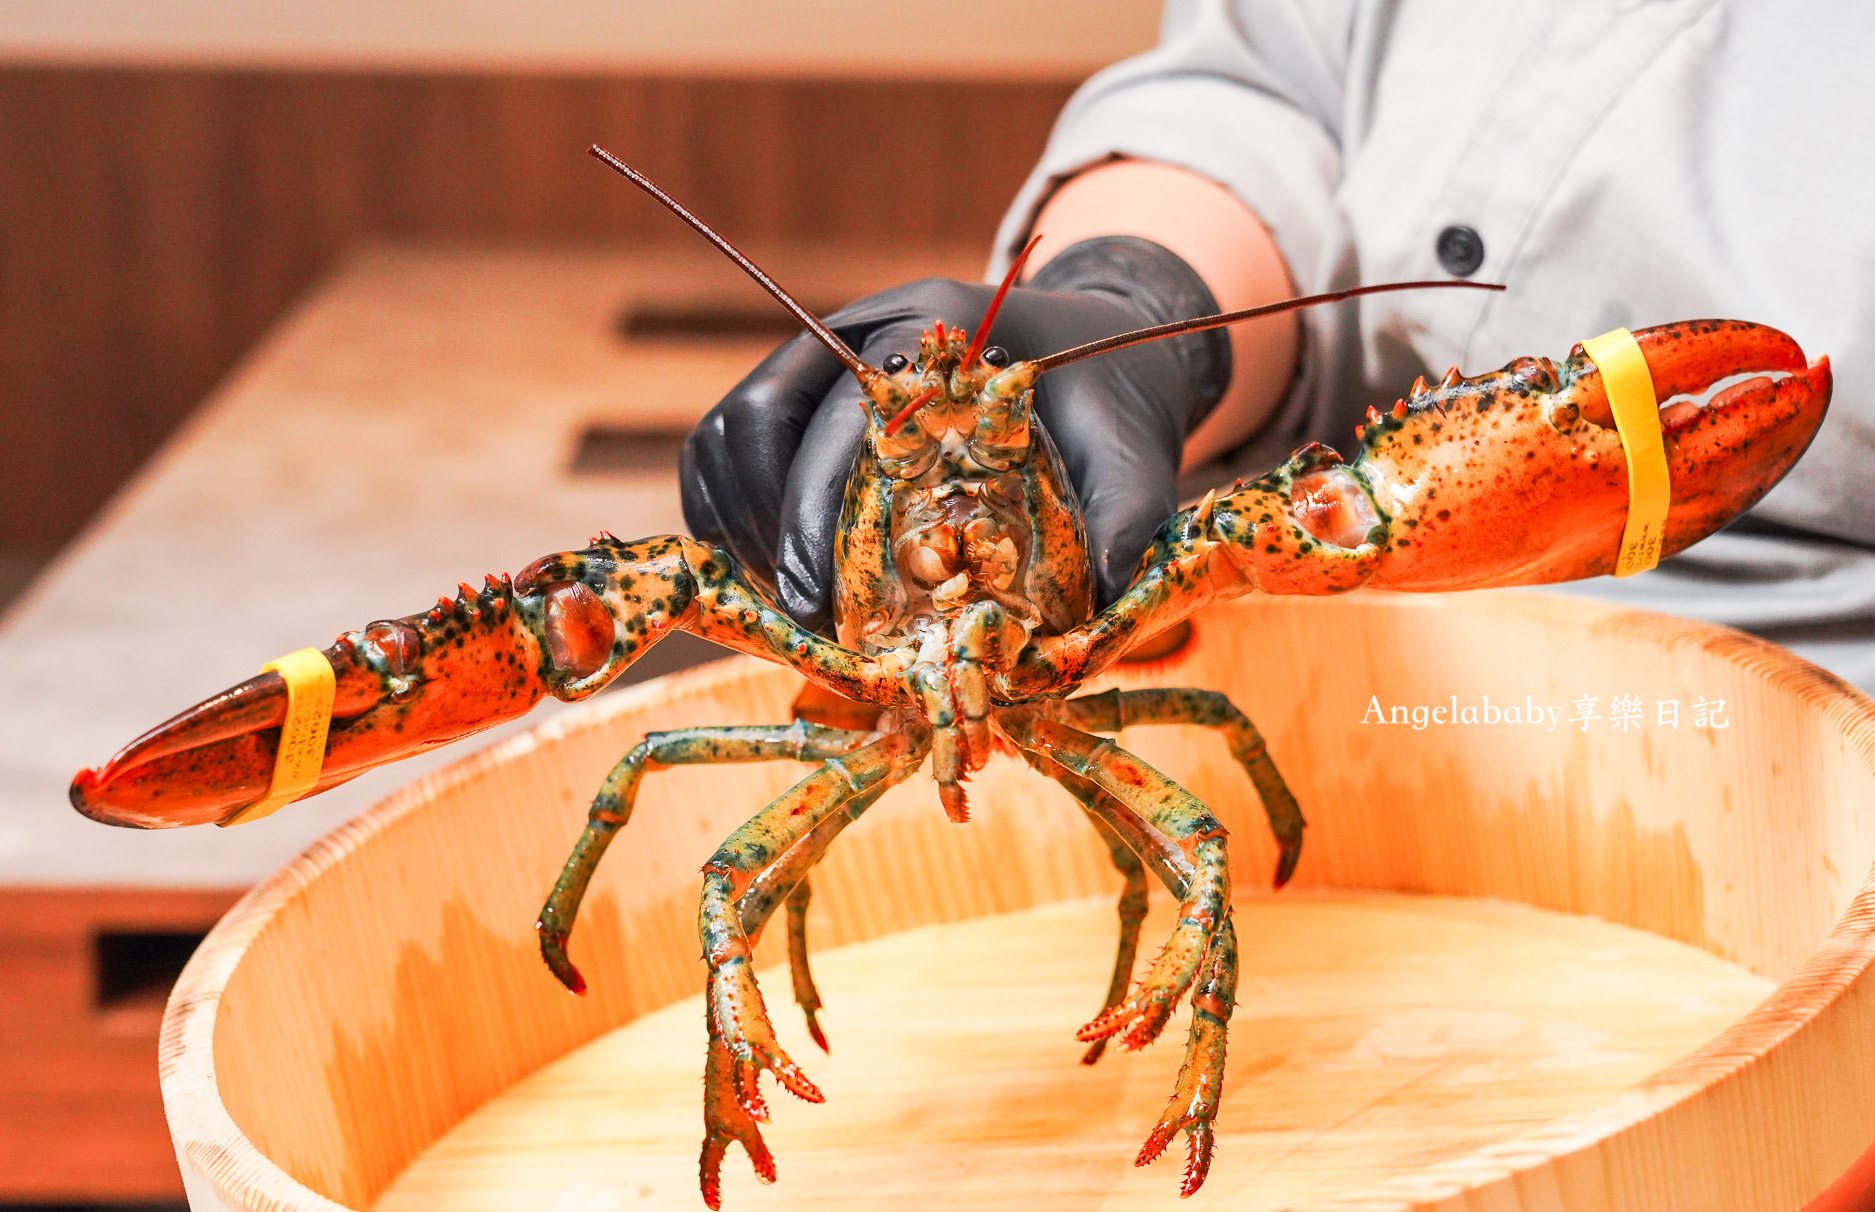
(1630, 388)
(309, 686)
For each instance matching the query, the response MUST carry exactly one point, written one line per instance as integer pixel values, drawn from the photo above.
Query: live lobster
(965, 617)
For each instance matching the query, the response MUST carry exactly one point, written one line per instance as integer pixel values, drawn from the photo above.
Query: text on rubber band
(309, 688)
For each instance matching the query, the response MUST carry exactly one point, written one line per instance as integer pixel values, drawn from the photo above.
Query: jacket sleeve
(1249, 94)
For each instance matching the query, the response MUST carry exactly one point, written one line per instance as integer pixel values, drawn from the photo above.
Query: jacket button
(1460, 249)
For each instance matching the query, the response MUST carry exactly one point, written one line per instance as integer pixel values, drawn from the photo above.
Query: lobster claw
(402, 685)
(1739, 405)
(1518, 476)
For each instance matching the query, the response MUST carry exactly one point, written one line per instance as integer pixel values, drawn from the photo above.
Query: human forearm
(1221, 239)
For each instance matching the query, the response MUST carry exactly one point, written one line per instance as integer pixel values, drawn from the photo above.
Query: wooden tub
(1572, 964)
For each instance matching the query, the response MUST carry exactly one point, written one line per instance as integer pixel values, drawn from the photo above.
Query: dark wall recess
(136, 968)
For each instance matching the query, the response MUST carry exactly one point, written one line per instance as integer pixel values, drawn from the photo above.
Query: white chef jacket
(1625, 162)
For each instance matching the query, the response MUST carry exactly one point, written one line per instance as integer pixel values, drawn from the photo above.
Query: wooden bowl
(1422, 1022)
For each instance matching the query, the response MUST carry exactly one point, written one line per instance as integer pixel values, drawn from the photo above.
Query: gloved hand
(765, 472)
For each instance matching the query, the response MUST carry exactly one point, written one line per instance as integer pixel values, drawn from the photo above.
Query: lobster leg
(802, 977)
(784, 882)
(1132, 903)
(1188, 853)
(1113, 710)
(612, 807)
(724, 1117)
(1200, 1086)
(1194, 1103)
(742, 1040)
(1195, 1096)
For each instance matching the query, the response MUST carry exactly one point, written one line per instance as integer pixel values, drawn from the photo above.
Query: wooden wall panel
(81, 1117)
(155, 222)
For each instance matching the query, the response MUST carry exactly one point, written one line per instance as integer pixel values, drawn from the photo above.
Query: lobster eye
(996, 355)
(894, 363)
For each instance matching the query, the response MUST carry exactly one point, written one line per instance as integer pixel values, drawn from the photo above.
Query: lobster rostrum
(965, 617)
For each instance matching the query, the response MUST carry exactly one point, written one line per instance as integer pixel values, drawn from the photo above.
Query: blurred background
(176, 174)
(477, 338)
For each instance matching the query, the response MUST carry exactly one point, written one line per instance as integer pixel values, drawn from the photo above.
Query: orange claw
(566, 625)
(403, 685)
(1518, 477)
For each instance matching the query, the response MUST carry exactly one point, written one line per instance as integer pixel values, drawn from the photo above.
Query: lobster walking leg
(1133, 899)
(1131, 910)
(784, 881)
(724, 1117)
(1200, 1086)
(1197, 864)
(1113, 710)
(802, 977)
(612, 807)
(1194, 1103)
(742, 1040)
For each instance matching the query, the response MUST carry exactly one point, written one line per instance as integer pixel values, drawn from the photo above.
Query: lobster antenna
(1140, 336)
(826, 336)
(989, 317)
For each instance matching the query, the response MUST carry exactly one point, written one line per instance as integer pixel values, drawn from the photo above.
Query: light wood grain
(1378, 1032)
(376, 993)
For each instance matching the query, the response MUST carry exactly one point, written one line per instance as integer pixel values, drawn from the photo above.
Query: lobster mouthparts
(1518, 477)
(402, 685)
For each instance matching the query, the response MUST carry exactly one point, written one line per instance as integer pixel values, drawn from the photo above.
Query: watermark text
(1624, 713)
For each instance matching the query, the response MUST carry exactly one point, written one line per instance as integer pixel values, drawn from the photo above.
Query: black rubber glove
(765, 472)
